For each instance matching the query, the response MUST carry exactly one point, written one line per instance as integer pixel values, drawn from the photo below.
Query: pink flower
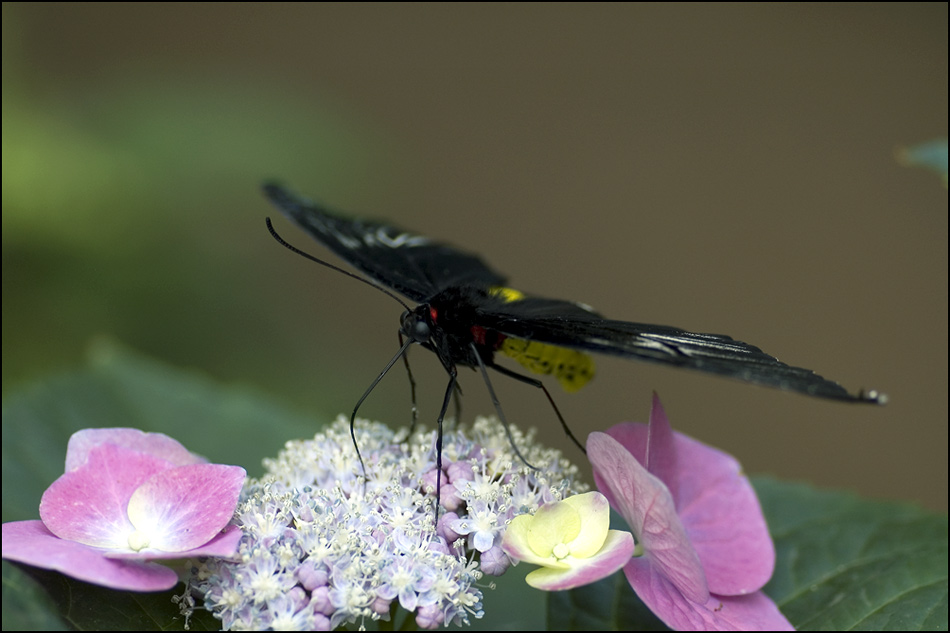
(128, 498)
(703, 548)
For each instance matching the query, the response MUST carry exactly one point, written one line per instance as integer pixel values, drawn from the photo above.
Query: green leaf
(932, 154)
(87, 607)
(843, 562)
(850, 563)
(26, 606)
(606, 605)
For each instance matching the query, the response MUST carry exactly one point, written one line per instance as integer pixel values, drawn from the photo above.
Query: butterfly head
(415, 324)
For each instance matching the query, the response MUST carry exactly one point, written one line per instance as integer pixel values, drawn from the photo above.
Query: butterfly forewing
(410, 264)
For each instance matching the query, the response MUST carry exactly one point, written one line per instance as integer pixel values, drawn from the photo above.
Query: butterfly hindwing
(566, 324)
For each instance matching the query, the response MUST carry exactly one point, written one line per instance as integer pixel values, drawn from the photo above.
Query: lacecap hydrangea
(324, 546)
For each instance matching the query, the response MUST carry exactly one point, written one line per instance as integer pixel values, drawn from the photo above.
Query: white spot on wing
(403, 240)
(350, 242)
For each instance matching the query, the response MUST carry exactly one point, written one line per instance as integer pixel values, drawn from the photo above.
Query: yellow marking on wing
(572, 368)
(508, 294)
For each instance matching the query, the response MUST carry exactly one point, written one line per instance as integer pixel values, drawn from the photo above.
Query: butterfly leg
(537, 383)
(449, 390)
(497, 403)
(458, 403)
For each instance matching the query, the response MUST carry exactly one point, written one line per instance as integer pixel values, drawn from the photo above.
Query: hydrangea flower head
(323, 546)
(703, 548)
(128, 498)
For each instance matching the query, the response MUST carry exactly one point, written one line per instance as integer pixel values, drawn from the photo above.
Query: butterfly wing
(410, 264)
(571, 325)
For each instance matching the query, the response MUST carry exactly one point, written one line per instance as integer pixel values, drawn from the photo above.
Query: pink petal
(722, 516)
(715, 502)
(31, 543)
(617, 550)
(88, 504)
(661, 458)
(634, 436)
(222, 545)
(183, 508)
(155, 444)
(648, 507)
(754, 612)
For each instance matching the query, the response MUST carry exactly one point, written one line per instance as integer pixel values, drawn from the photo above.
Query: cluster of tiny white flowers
(324, 546)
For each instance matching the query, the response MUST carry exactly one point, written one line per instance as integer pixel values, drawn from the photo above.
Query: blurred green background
(721, 168)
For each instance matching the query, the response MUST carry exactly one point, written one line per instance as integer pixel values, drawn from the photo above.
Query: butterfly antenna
(498, 409)
(389, 365)
(412, 388)
(291, 247)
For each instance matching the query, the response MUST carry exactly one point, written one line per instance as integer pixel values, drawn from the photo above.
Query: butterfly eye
(415, 328)
(420, 331)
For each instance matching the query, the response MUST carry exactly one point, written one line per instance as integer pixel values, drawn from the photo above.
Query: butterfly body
(450, 335)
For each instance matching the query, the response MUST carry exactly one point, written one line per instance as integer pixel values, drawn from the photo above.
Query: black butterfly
(466, 314)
